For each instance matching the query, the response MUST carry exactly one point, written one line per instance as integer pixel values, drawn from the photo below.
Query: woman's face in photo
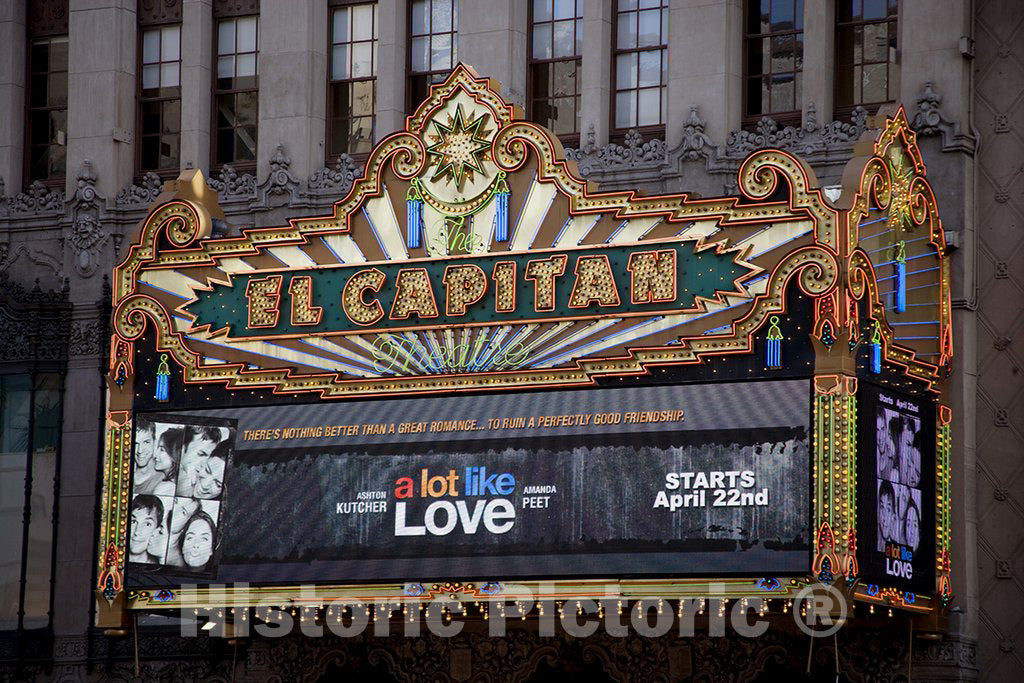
(198, 545)
(910, 462)
(164, 461)
(184, 508)
(913, 527)
(886, 451)
(209, 478)
(144, 448)
(887, 517)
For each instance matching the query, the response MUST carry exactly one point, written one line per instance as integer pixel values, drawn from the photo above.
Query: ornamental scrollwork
(338, 178)
(807, 138)
(929, 118)
(143, 194)
(280, 181)
(39, 198)
(634, 152)
(695, 143)
(230, 185)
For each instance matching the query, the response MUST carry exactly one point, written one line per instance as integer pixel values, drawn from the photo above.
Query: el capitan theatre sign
(480, 368)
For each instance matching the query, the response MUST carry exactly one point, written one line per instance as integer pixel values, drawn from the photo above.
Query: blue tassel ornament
(774, 355)
(414, 216)
(901, 277)
(501, 194)
(876, 349)
(163, 380)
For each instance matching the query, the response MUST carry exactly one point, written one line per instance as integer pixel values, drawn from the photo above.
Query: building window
(865, 53)
(556, 46)
(641, 37)
(433, 45)
(29, 433)
(236, 94)
(160, 99)
(774, 59)
(47, 120)
(352, 97)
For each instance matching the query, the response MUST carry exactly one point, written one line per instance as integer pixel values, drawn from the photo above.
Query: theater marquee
(480, 368)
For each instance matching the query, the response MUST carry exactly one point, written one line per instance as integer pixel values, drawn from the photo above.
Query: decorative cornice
(232, 187)
(806, 139)
(39, 199)
(810, 139)
(929, 119)
(279, 182)
(142, 194)
(337, 180)
(695, 143)
(634, 153)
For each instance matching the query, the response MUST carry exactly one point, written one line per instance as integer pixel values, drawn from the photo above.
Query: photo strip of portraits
(898, 436)
(178, 493)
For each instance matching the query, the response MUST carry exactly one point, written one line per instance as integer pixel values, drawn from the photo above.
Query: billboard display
(641, 481)
(897, 486)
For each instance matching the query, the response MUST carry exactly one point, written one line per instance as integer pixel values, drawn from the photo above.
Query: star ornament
(459, 149)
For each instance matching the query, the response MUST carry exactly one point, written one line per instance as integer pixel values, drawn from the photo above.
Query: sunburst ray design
(459, 149)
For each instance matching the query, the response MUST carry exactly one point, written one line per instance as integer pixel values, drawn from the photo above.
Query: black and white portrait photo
(179, 492)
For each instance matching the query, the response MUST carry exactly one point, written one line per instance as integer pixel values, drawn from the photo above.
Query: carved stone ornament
(143, 194)
(806, 139)
(335, 180)
(519, 655)
(85, 338)
(695, 144)
(231, 186)
(929, 119)
(38, 199)
(155, 12)
(87, 235)
(47, 17)
(280, 181)
(33, 322)
(633, 153)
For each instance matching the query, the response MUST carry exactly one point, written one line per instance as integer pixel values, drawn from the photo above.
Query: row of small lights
(318, 613)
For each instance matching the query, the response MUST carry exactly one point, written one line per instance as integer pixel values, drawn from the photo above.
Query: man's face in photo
(144, 447)
(144, 523)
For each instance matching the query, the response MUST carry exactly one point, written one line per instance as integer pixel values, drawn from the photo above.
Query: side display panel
(179, 499)
(896, 498)
(664, 480)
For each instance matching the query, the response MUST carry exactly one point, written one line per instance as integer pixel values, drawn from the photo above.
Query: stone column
(929, 45)
(293, 84)
(595, 98)
(705, 66)
(196, 74)
(81, 455)
(392, 38)
(12, 95)
(102, 41)
(819, 59)
(492, 39)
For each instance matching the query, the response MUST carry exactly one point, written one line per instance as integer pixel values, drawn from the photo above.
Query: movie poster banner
(641, 481)
(896, 498)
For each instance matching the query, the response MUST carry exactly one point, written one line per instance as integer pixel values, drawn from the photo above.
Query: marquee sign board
(471, 258)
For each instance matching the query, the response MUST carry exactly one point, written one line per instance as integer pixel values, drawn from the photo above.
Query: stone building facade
(77, 175)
